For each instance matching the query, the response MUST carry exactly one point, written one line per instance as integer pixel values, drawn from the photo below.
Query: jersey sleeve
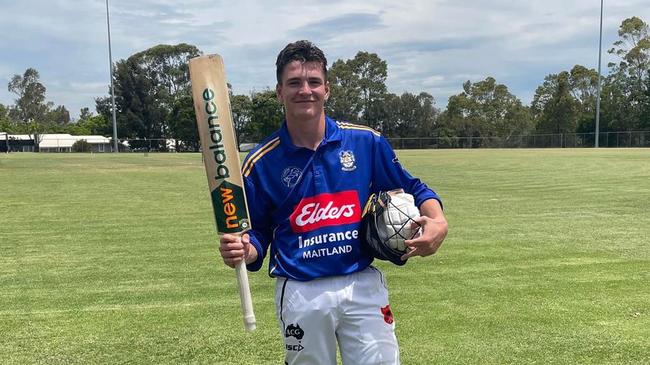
(261, 231)
(389, 174)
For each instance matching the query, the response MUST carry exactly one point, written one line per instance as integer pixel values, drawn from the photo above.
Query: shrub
(81, 146)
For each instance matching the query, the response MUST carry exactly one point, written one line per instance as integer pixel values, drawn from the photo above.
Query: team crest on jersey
(348, 163)
(290, 176)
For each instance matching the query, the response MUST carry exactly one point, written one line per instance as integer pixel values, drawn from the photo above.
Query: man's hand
(433, 231)
(235, 248)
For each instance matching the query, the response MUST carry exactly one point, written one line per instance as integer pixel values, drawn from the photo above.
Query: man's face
(303, 90)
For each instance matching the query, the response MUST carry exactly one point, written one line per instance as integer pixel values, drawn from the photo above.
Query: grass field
(112, 259)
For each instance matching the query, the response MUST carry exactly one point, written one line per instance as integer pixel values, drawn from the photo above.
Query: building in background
(51, 143)
(16, 142)
(65, 143)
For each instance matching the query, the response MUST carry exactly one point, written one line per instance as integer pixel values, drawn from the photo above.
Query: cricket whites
(221, 158)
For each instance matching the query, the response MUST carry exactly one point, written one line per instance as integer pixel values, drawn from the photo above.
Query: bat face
(218, 143)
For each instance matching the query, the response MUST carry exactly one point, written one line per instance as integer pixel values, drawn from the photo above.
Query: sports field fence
(558, 140)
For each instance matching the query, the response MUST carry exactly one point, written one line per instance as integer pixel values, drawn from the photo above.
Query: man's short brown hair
(303, 51)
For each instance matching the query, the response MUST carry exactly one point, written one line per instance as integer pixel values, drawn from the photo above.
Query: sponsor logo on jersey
(330, 209)
(348, 162)
(290, 176)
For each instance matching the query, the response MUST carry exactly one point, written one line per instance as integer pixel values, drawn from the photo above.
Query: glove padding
(386, 223)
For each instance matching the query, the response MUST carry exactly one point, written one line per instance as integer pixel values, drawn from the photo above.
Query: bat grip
(245, 296)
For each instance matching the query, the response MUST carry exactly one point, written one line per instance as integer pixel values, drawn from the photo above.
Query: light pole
(600, 46)
(110, 61)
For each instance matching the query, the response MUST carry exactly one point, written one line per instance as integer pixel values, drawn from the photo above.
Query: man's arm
(434, 230)
(389, 174)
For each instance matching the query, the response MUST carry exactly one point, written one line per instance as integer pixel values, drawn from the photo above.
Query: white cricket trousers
(352, 310)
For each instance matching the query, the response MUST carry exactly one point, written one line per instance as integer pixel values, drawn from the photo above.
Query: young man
(306, 185)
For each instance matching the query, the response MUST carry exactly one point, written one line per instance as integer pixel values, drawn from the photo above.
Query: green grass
(113, 259)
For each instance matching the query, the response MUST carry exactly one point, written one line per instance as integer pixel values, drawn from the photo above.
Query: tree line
(153, 100)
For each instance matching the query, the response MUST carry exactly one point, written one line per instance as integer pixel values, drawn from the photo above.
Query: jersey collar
(332, 134)
(332, 130)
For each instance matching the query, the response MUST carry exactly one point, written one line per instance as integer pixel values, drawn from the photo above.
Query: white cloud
(430, 45)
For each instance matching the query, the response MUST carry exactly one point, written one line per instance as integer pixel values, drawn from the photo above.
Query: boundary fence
(561, 140)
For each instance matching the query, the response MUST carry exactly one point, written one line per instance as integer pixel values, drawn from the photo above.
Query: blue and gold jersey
(305, 206)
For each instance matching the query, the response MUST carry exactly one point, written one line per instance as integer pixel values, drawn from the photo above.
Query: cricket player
(306, 185)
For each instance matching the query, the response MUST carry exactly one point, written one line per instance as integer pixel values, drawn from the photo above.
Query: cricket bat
(221, 159)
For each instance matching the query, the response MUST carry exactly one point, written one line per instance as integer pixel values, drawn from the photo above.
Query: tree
(182, 124)
(634, 49)
(566, 102)
(486, 109)
(30, 109)
(30, 103)
(386, 116)
(424, 117)
(81, 146)
(85, 113)
(344, 102)
(59, 116)
(4, 111)
(627, 93)
(167, 68)
(93, 125)
(372, 72)
(358, 89)
(584, 87)
(408, 115)
(554, 107)
(5, 123)
(266, 114)
(138, 113)
(241, 114)
(8, 125)
(148, 86)
(457, 119)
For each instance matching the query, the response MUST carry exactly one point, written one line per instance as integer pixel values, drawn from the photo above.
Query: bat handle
(245, 296)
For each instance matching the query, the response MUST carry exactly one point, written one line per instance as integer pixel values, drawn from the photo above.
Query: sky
(429, 45)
